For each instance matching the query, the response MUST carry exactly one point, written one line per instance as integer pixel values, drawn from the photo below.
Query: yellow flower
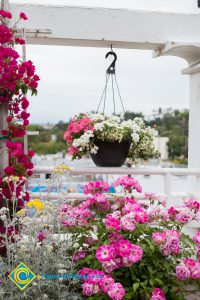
(61, 169)
(14, 178)
(37, 203)
(21, 212)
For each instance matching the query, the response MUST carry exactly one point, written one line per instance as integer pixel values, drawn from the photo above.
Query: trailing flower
(84, 130)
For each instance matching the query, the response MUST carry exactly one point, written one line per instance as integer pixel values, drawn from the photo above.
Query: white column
(3, 115)
(194, 122)
(194, 117)
(191, 53)
(5, 5)
(3, 150)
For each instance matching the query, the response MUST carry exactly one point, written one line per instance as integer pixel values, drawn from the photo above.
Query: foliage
(43, 143)
(173, 124)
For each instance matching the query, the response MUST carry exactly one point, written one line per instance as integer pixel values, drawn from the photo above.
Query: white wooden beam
(101, 27)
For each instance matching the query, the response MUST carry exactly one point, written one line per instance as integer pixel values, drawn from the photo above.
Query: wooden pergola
(163, 33)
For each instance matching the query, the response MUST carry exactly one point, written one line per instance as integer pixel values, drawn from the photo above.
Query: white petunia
(99, 126)
(96, 117)
(115, 119)
(94, 150)
(135, 137)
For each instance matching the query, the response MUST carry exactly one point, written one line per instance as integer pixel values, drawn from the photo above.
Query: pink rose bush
(136, 247)
(189, 268)
(169, 241)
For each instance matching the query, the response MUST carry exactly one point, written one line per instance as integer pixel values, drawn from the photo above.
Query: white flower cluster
(94, 149)
(4, 211)
(97, 117)
(83, 141)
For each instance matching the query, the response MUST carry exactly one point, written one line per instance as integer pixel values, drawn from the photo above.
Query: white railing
(121, 171)
(167, 173)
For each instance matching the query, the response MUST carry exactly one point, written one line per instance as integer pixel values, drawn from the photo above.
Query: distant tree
(131, 115)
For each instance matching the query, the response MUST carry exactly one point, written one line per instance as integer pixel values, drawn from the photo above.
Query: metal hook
(111, 68)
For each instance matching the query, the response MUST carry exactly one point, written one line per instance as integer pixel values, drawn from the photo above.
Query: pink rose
(173, 244)
(184, 216)
(196, 238)
(182, 272)
(158, 294)
(158, 237)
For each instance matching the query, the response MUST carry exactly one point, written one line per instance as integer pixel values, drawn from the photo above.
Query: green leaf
(158, 281)
(136, 286)
(165, 289)
(151, 282)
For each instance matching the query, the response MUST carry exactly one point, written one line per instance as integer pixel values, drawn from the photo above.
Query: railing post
(5, 5)
(168, 188)
(197, 188)
(3, 150)
(3, 115)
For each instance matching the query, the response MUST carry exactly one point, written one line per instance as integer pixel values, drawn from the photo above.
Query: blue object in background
(112, 189)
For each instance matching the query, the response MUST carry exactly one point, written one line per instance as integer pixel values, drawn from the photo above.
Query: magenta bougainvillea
(16, 80)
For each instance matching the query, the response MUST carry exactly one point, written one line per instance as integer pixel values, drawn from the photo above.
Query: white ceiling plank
(101, 27)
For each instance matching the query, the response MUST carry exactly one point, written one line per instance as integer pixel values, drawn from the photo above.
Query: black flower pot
(110, 154)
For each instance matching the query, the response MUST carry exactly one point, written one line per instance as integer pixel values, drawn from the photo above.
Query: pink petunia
(116, 291)
(104, 253)
(136, 253)
(127, 223)
(124, 248)
(106, 282)
(112, 222)
(87, 289)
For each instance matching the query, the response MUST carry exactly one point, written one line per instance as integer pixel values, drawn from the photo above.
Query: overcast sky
(72, 79)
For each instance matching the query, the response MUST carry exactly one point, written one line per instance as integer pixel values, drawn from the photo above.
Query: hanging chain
(110, 71)
(119, 94)
(113, 95)
(104, 92)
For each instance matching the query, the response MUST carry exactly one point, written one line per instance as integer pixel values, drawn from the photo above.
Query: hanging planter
(109, 140)
(110, 154)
